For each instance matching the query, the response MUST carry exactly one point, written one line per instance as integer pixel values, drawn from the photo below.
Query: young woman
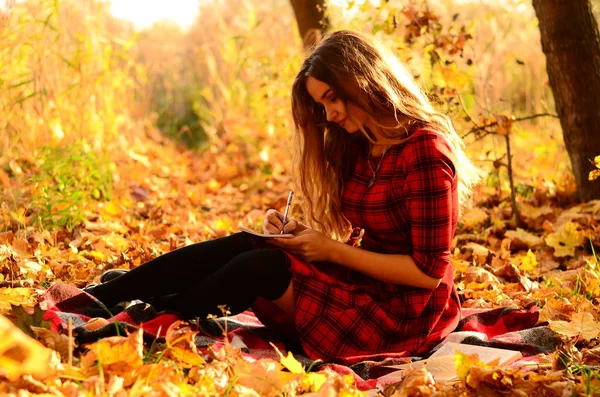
(374, 158)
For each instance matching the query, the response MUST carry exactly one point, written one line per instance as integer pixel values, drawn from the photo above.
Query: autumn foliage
(117, 146)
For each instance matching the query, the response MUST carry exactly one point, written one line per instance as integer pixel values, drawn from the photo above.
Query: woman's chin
(351, 129)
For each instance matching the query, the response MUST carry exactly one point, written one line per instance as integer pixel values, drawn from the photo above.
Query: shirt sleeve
(432, 204)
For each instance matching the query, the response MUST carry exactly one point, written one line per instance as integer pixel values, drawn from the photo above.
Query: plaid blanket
(505, 328)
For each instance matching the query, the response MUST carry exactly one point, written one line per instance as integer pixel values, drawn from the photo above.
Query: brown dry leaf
(556, 309)
(181, 346)
(481, 255)
(20, 354)
(263, 376)
(504, 124)
(418, 382)
(54, 341)
(487, 380)
(565, 240)
(118, 355)
(5, 179)
(523, 239)
(474, 217)
(533, 212)
(591, 356)
(479, 275)
(581, 324)
(6, 237)
(21, 247)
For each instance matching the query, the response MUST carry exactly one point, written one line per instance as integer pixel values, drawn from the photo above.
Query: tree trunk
(571, 42)
(311, 20)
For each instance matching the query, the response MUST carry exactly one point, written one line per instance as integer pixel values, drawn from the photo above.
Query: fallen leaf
(581, 324)
(532, 212)
(418, 382)
(474, 217)
(528, 263)
(54, 341)
(20, 354)
(594, 174)
(118, 355)
(16, 296)
(565, 240)
(263, 376)
(291, 363)
(523, 238)
(181, 346)
(556, 309)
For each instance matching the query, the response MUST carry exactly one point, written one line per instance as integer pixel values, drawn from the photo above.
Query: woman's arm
(314, 246)
(390, 268)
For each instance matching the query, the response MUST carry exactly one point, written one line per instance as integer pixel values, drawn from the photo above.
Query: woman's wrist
(332, 248)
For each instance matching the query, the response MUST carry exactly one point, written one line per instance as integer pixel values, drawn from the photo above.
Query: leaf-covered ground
(165, 197)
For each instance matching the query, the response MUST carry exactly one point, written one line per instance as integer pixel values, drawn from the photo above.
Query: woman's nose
(330, 114)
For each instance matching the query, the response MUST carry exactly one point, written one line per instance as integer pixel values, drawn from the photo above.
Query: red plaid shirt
(412, 209)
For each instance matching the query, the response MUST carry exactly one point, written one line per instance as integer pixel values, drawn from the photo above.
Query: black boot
(106, 277)
(112, 274)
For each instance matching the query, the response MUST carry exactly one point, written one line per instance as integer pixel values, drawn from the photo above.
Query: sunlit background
(127, 79)
(143, 13)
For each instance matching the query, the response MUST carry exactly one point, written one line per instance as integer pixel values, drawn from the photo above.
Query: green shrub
(68, 178)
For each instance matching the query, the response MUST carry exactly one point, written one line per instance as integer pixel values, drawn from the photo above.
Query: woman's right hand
(273, 223)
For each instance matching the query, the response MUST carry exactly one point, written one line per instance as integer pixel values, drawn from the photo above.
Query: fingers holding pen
(273, 223)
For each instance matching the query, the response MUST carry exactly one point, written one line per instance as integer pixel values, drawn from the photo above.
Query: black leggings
(196, 279)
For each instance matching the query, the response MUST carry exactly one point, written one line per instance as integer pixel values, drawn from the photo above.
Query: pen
(287, 209)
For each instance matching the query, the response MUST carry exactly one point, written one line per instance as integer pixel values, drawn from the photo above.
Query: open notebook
(441, 363)
(252, 232)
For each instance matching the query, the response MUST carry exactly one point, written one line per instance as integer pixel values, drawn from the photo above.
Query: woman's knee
(267, 269)
(263, 261)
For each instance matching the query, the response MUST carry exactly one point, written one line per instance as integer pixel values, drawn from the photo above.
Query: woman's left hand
(309, 244)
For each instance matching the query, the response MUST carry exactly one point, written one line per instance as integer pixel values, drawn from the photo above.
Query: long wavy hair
(365, 73)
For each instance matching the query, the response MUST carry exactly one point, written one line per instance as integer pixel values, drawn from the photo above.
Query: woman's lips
(341, 123)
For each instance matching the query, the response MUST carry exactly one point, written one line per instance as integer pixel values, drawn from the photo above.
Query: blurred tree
(310, 15)
(571, 42)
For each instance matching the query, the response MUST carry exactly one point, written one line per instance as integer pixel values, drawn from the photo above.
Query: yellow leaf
(594, 174)
(292, 364)
(528, 262)
(181, 347)
(112, 208)
(581, 324)
(214, 186)
(186, 358)
(16, 296)
(313, 381)
(118, 354)
(464, 362)
(289, 362)
(96, 256)
(20, 354)
(565, 240)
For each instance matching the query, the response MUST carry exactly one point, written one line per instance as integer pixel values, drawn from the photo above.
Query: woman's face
(335, 109)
